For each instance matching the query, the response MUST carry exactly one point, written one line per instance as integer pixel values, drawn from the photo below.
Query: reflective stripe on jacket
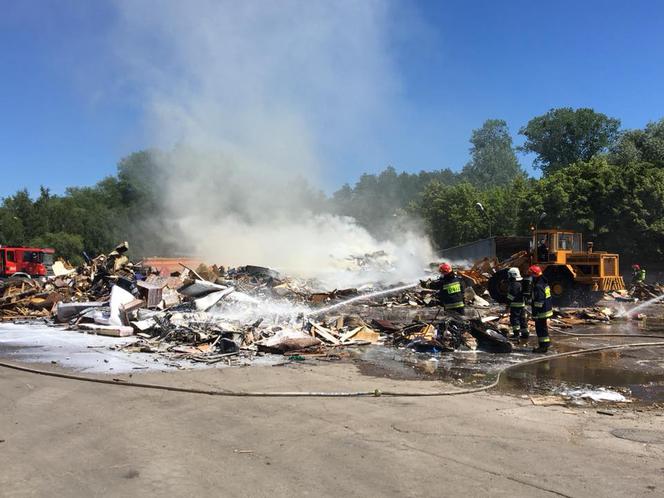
(451, 292)
(542, 303)
(515, 297)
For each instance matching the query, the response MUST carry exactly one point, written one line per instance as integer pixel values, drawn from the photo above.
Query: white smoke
(251, 95)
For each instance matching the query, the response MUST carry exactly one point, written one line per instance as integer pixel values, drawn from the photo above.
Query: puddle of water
(645, 436)
(607, 368)
(640, 371)
(652, 393)
(462, 367)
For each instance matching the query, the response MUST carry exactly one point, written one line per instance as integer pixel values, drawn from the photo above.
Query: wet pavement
(89, 353)
(37, 342)
(638, 373)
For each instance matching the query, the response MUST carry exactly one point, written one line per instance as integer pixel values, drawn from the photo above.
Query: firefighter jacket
(639, 276)
(515, 297)
(450, 291)
(542, 303)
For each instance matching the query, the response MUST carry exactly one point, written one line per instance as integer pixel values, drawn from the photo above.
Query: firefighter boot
(542, 348)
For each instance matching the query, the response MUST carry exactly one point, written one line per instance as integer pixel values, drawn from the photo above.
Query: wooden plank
(110, 330)
(547, 401)
(325, 334)
(350, 334)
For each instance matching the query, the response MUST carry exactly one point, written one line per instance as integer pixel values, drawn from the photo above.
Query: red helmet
(636, 267)
(445, 268)
(535, 271)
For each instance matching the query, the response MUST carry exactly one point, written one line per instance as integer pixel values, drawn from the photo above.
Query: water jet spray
(361, 298)
(645, 304)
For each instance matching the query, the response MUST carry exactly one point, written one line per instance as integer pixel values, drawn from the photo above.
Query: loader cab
(553, 246)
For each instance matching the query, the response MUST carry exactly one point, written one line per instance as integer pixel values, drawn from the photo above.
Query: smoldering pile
(213, 314)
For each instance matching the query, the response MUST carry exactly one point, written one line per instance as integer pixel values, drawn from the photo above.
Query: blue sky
(457, 64)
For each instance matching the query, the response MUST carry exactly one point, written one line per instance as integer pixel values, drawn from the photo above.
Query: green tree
(493, 161)
(620, 208)
(636, 146)
(565, 136)
(67, 246)
(452, 217)
(11, 228)
(635, 218)
(504, 204)
(450, 213)
(375, 200)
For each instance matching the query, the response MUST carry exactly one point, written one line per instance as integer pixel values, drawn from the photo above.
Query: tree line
(597, 178)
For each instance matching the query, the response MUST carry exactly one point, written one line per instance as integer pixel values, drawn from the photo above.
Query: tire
(561, 284)
(498, 285)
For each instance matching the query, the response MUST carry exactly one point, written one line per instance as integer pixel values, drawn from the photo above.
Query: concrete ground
(68, 438)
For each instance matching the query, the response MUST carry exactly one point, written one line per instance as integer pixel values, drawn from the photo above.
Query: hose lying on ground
(650, 336)
(357, 394)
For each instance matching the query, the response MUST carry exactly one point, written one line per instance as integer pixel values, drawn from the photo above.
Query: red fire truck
(32, 261)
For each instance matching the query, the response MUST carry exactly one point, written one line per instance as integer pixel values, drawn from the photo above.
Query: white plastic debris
(600, 394)
(207, 302)
(119, 297)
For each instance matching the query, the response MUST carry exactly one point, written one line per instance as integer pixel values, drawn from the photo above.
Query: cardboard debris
(60, 270)
(151, 289)
(366, 334)
(547, 400)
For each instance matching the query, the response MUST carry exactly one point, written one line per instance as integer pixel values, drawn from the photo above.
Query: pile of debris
(213, 314)
(207, 315)
(645, 292)
(479, 274)
(208, 337)
(70, 290)
(26, 297)
(570, 317)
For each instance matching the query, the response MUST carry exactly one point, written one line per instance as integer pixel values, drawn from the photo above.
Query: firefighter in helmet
(638, 275)
(450, 289)
(542, 307)
(516, 301)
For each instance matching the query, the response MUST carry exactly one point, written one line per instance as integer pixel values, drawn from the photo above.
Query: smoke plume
(250, 98)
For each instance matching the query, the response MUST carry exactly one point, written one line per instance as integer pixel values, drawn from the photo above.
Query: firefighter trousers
(542, 329)
(460, 311)
(519, 322)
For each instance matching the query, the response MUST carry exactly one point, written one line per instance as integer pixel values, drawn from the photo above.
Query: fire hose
(356, 394)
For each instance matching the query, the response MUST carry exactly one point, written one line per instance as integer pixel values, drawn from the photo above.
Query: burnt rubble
(213, 314)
